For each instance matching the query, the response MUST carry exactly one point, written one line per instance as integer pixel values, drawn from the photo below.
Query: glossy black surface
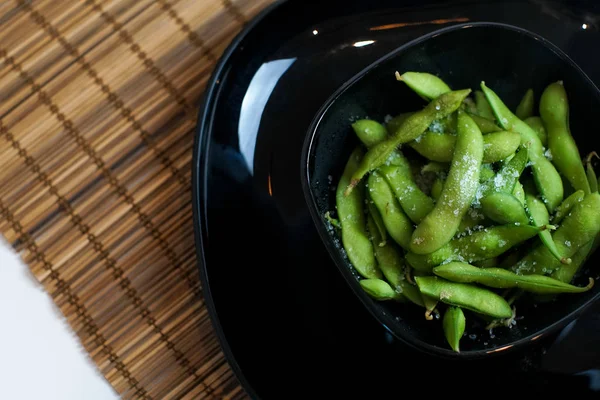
(288, 322)
(374, 93)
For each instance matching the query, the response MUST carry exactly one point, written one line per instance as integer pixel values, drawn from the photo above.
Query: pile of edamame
(468, 205)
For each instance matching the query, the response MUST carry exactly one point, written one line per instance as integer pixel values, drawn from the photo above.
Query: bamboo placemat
(98, 105)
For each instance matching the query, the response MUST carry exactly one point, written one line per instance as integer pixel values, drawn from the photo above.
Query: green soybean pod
(567, 205)
(394, 124)
(440, 146)
(565, 273)
(504, 208)
(397, 224)
(369, 132)
(392, 266)
(537, 125)
(378, 225)
(441, 224)
(465, 295)
(480, 245)
(487, 172)
(540, 217)
(415, 204)
(380, 290)
(454, 323)
(546, 177)
(502, 279)
(483, 107)
(519, 193)
(426, 85)
(578, 228)
(409, 130)
(355, 240)
(554, 111)
(508, 176)
(436, 188)
(525, 108)
(485, 125)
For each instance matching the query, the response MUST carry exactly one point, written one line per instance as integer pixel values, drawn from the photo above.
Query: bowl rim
(349, 276)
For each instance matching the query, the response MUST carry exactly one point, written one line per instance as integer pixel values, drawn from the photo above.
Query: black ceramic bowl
(510, 60)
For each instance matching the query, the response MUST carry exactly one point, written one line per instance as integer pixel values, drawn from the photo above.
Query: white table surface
(40, 356)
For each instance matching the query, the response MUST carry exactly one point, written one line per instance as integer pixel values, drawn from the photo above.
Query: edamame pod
(454, 326)
(483, 107)
(436, 188)
(554, 111)
(392, 266)
(547, 178)
(485, 125)
(426, 85)
(379, 226)
(537, 125)
(440, 146)
(504, 208)
(519, 193)
(578, 228)
(369, 132)
(567, 205)
(464, 295)
(508, 176)
(502, 279)
(393, 124)
(540, 217)
(565, 273)
(355, 240)
(480, 245)
(441, 224)
(525, 108)
(397, 224)
(380, 290)
(409, 130)
(415, 204)
(486, 172)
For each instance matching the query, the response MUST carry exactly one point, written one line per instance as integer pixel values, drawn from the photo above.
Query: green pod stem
(440, 146)
(454, 323)
(464, 295)
(392, 266)
(567, 205)
(380, 290)
(441, 224)
(554, 111)
(480, 245)
(410, 129)
(394, 124)
(504, 208)
(519, 193)
(396, 222)
(578, 228)
(537, 125)
(483, 107)
(566, 273)
(502, 279)
(590, 173)
(525, 108)
(546, 177)
(377, 230)
(415, 204)
(426, 85)
(369, 132)
(538, 213)
(355, 239)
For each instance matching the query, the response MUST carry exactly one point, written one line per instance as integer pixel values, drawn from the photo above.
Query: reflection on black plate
(290, 326)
